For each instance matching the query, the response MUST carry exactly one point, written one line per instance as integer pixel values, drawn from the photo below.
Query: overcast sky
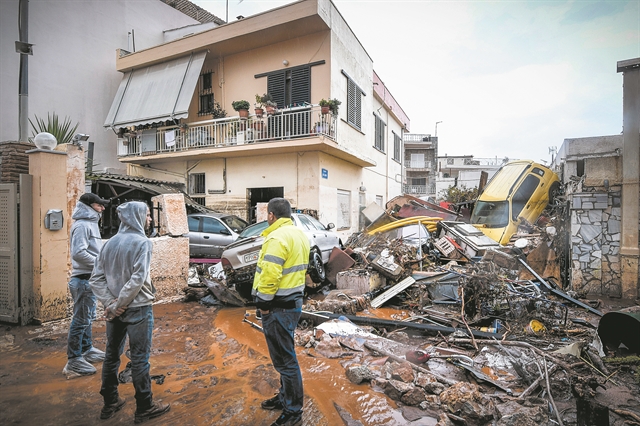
(506, 78)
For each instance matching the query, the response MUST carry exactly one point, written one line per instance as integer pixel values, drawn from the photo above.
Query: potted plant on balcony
(329, 105)
(269, 104)
(259, 106)
(242, 107)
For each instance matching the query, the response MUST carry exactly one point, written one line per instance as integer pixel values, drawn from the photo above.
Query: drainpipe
(24, 49)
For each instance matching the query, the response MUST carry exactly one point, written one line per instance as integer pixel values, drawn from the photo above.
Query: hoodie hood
(85, 212)
(133, 217)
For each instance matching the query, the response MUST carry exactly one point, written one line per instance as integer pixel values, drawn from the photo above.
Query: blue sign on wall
(325, 174)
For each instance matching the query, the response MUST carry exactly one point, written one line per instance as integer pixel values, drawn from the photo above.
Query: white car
(239, 258)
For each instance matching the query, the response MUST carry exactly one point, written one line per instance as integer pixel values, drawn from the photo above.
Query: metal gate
(9, 294)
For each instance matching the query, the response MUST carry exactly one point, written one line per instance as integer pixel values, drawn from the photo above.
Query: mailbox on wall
(53, 220)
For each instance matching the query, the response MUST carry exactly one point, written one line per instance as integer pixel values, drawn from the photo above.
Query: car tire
(554, 191)
(316, 267)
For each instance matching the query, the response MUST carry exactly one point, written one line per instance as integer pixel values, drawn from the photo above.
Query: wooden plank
(384, 297)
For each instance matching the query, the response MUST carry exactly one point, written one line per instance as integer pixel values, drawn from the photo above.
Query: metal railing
(416, 164)
(419, 189)
(290, 123)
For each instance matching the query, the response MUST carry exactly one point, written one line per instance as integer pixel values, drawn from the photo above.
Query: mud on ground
(216, 368)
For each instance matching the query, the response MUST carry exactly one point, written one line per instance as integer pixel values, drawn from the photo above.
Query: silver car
(239, 259)
(210, 233)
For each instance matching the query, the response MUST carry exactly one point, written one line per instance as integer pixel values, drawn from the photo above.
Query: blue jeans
(137, 323)
(279, 325)
(84, 312)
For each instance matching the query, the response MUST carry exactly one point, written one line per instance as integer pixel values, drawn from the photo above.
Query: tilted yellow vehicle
(519, 190)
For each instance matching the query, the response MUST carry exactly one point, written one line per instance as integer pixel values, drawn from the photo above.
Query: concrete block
(172, 214)
(169, 265)
(359, 281)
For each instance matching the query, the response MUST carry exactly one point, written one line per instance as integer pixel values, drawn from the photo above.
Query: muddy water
(216, 368)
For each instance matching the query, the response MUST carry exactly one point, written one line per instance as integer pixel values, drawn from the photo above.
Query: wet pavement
(216, 369)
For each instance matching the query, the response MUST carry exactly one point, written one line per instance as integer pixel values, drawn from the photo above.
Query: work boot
(93, 355)
(77, 367)
(108, 410)
(288, 419)
(156, 410)
(272, 403)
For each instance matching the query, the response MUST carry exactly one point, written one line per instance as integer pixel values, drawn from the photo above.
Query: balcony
(417, 165)
(287, 124)
(419, 189)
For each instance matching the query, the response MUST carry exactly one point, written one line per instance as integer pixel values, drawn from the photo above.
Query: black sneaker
(156, 410)
(288, 419)
(110, 409)
(272, 403)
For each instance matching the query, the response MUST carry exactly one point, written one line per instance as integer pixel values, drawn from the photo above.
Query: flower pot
(324, 110)
(259, 112)
(243, 113)
(271, 110)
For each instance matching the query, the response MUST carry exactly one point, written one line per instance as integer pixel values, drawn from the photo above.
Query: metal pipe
(23, 79)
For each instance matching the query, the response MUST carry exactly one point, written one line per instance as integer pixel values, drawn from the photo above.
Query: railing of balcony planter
(415, 189)
(416, 164)
(289, 123)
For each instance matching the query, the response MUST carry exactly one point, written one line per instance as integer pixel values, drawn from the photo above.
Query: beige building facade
(329, 165)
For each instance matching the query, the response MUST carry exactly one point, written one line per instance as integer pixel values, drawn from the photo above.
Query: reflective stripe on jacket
(282, 264)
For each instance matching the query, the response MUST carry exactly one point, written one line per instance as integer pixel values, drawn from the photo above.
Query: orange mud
(217, 371)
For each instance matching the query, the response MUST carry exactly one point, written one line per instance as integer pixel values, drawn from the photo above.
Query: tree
(62, 131)
(462, 194)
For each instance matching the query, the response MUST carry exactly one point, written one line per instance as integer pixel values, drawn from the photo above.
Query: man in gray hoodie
(121, 281)
(85, 246)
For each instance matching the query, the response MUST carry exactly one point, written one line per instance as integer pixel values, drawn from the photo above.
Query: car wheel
(316, 268)
(554, 191)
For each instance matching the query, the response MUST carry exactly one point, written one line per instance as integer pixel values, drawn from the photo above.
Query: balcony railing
(419, 189)
(290, 123)
(415, 164)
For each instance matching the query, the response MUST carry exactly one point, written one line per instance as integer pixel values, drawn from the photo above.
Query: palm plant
(63, 131)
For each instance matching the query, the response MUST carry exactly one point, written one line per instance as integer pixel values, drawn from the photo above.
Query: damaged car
(239, 259)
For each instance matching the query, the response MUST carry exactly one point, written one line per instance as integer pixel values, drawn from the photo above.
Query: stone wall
(595, 243)
(13, 161)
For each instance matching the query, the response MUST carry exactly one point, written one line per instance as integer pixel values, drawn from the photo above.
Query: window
(379, 133)
(319, 226)
(397, 147)
(306, 223)
(194, 223)
(344, 209)
(291, 86)
(196, 183)
(379, 200)
(523, 195)
(449, 161)
(354, 103)
(206, 93)
(211, 225)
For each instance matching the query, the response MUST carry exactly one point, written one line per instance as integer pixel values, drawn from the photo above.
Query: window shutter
(275, 87)
(351, 101)
(358, 108)
(301, 86)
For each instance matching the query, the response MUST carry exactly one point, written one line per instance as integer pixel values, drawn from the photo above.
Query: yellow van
(519, 190)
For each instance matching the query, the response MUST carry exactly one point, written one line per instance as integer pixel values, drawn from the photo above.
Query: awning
(156, 93)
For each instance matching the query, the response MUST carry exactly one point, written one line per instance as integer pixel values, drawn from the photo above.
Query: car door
(195, 236)
(321, 237)
(215, 236)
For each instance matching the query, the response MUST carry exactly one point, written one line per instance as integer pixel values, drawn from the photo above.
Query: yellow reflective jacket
(282, 265)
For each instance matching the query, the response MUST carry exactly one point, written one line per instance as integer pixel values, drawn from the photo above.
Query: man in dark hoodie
(122, 283)
(85, 246)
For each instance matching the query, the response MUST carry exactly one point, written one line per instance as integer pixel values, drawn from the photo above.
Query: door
(9, 295)
(215, 236)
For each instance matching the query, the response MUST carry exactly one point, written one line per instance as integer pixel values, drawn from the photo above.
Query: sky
(504, 78)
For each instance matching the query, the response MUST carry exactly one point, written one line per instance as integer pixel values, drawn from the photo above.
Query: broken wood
(536, 383)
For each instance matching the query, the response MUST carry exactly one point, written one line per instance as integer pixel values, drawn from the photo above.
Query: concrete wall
(72, 71)
(50, 248)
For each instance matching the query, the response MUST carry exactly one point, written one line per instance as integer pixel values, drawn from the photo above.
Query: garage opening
(261, 195)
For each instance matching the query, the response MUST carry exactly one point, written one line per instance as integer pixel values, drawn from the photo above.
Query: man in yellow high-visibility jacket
(277, 290)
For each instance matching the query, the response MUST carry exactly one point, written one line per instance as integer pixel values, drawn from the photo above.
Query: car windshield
(253, 230)
(494, 214)
(234, 222)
